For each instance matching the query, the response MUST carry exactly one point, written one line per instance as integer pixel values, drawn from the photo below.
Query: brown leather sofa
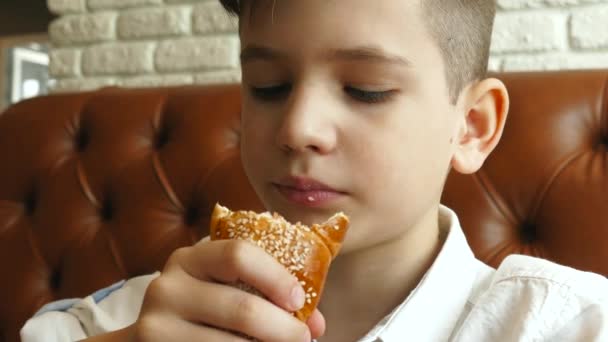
(100, 186)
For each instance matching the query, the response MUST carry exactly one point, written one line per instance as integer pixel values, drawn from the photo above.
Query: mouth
(307, 191)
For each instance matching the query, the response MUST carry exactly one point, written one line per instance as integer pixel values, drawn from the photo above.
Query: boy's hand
(189, 301)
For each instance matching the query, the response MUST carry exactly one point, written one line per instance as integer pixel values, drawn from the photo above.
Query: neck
(365, 286)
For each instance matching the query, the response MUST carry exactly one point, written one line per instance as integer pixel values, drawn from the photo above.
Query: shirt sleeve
(589, 325)
(530, 299)
(108, 309)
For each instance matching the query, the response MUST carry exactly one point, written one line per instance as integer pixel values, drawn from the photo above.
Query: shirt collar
(433, 308)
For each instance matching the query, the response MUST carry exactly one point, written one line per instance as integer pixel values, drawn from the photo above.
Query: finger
(316, 324)
(232, 309)
(167, 328)
(229, 261)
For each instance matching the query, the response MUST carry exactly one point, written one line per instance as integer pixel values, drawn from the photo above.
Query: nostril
(313, 148)
(286, 148)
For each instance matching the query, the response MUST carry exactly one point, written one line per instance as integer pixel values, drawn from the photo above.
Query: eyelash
(369, 96)
(278, 92)
(272, 93)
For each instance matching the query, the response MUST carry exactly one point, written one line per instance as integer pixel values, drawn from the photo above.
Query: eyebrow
(369, 54)
(360, 53)
(253, 52)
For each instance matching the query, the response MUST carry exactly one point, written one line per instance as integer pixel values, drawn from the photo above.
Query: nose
(307, 123)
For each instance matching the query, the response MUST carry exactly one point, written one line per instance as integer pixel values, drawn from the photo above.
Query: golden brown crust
(305, 251)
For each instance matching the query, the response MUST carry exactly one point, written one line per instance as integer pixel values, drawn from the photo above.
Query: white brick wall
(142, 43)
(139, 43)
(550, 35)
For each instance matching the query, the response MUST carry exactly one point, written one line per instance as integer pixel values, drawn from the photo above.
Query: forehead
(308, 26)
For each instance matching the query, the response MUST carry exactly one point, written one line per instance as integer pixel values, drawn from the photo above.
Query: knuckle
(159, 288)
(177, 256)
(234, 252)
(146, 328)
(246, 310)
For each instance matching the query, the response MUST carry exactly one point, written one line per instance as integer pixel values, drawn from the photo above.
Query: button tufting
(528, 233)
(192, 216)
(55, 280)
(30, 202)
(603, 140)
(107, 210)
(162, 138)
(82, 139)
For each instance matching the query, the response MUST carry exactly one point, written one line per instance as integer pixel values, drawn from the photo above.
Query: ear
(485, 106)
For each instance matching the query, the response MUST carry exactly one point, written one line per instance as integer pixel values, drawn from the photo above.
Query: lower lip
(309, 198)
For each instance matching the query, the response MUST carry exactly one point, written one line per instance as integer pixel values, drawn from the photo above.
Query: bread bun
(305, 251)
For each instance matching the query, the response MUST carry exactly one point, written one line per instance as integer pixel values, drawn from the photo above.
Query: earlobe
(486, 105)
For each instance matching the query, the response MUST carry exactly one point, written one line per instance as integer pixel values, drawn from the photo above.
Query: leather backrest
(100, 186)
(544, 190)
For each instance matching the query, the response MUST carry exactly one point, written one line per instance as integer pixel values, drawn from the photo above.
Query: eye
(369, 96)
(271, 93)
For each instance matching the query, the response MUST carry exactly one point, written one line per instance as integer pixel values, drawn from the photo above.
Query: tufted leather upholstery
(544, 190)
(100, 186)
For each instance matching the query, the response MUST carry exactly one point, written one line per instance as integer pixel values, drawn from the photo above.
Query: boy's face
(351, 94)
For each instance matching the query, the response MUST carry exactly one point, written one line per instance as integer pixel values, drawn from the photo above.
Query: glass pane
(29, 75)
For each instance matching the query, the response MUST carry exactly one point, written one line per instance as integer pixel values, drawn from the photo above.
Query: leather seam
(157, 166)
(497, 200)
(115, 253)
(551, 180)
(162, 178)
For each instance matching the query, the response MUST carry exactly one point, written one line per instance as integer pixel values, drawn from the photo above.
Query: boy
(363, 106)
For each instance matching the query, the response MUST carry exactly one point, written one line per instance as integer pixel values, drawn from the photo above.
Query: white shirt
(459, 299)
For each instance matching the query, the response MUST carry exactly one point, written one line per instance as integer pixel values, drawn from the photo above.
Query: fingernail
(297, 297)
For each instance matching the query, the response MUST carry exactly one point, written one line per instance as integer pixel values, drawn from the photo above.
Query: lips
(307, 191)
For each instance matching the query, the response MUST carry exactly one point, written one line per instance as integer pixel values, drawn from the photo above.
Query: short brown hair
(462, 29)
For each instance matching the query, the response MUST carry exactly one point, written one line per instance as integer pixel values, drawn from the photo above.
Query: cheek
(403, 164)
(255, 144)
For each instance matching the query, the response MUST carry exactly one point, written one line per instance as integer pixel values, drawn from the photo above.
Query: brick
(154, 22)
(218, 77)
(64, 62)
(120, 4)
(66, 6)
(519, 4)
(204, 53)
(559, 61)
(123, 58)
(529, 31)
(185, 1)
(589, 28)
(157, 81)
(211, 17)
(81, 84)
(85, 28)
